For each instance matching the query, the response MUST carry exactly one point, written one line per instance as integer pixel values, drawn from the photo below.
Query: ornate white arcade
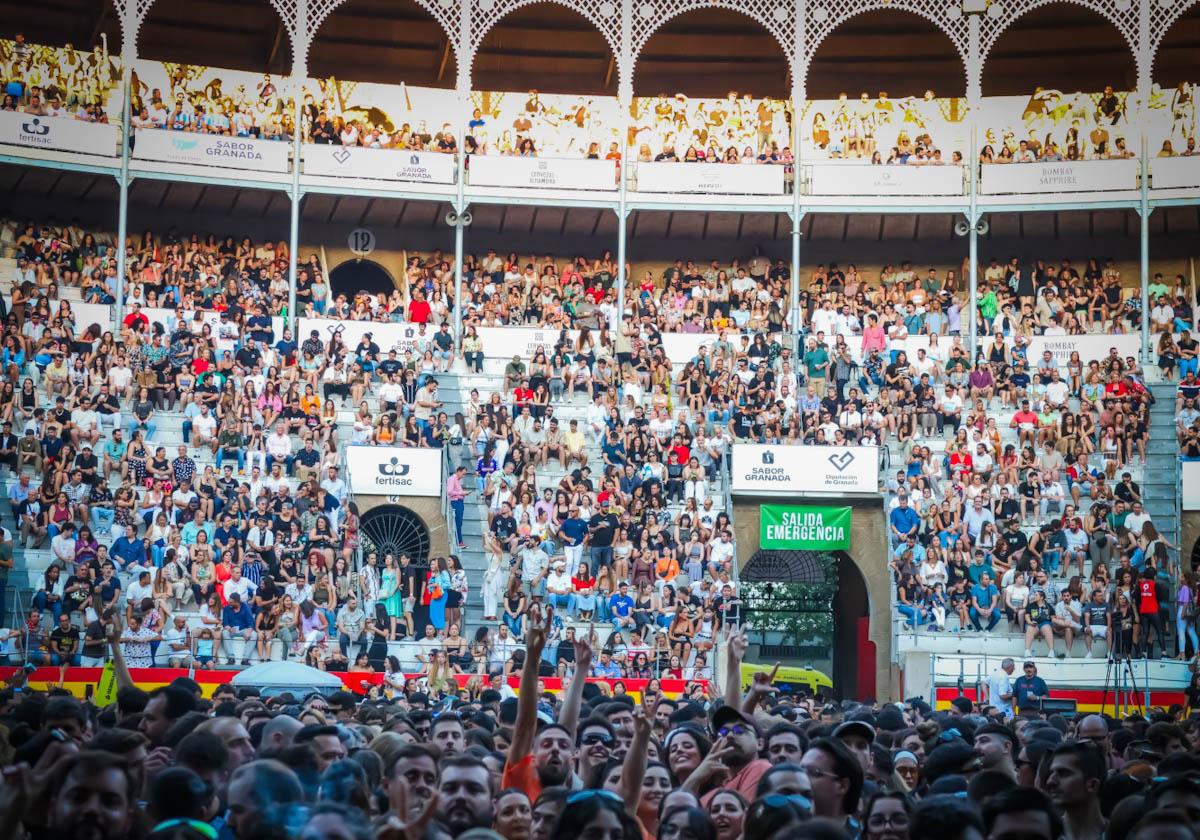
(799, 26)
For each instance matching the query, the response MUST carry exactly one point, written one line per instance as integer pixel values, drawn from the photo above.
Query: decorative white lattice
(605, 15)
(1000, 14)
(1163, 15)
(798, 34)
(778, 17)
(448, 14)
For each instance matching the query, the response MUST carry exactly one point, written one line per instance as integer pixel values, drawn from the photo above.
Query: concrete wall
(869, 552)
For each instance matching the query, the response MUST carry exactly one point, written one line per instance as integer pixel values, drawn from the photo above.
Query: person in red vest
(1148, 610)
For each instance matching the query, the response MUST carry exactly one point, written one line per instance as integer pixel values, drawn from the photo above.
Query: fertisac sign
(804, 527)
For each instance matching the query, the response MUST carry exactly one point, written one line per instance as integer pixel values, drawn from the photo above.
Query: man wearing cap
(858, 736)
(1029, 689)
(734, 750)
(602, 528)
(558, 588)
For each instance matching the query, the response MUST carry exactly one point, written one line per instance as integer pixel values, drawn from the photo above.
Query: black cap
(730, 714)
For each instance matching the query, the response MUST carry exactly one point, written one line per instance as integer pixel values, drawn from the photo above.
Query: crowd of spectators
(598, 461)
(46, 81)
(508, 760)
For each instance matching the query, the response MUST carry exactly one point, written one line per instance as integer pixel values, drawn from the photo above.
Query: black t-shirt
(743, 423)
(94, 640)
(604, 527)
(1126, 493)
(64, 641)
(410, 581)
(248, 357)
(1014, 542)
(1097, 614)
(504, 526)
(108, 404)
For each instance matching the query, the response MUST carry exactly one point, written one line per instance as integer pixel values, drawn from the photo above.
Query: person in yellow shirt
(574, 441)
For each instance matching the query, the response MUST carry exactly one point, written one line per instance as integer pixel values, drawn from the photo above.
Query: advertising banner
(394, 470)
(1059, 176)
(387, 335)
(804, 528)
(379, 164)
(1173, 172)
(506, 342)
(62, 134)
(770, 469)
(542, 173)
(718, 178)
(212, 150)
(861, 179)
(1191, 484)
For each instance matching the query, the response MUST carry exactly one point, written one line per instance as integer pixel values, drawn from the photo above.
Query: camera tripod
(1126, 695)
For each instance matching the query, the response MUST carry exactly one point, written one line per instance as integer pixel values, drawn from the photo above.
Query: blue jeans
(41, 603)
(1188, 364)
(561, 602)
(150, 426)
(102, 519)
(992, 622)
(514, 624)
(287, 463)
(912, 614)
(601, 556)
(241, 458)
(459, 507)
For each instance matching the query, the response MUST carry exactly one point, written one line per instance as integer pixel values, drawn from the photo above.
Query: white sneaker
(1087, 655)
(1029, 654)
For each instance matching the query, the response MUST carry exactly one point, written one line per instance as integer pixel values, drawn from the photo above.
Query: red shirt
(418, 311)
(133, 317)
(522, 395)
(1147, 597)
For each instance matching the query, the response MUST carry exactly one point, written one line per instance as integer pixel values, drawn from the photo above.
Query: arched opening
(853, 651)
(545, 75)
(788, 597)
(888, 51)
(711, 84)
(1036, 104)
(354, 276)
(384, 42)
(250, 37)
(1029, 54)
(889, 83)
(1176, 59)
(78, 25)
(1176, 74)
(396, 530)
(545, 47)
(708, 52)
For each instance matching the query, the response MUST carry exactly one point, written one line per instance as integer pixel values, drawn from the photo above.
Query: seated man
(1067, 621)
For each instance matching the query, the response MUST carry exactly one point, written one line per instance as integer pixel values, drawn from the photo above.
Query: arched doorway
(354, 276)
(392, 529)
(853, 651)
(812, 607)
(787, 597)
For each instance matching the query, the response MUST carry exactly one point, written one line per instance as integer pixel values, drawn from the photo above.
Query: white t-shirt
(1000, 683)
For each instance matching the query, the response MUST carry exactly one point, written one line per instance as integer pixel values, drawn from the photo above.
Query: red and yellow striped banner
(78, 680)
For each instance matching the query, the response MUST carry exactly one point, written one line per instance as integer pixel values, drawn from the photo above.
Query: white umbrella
(274, 678)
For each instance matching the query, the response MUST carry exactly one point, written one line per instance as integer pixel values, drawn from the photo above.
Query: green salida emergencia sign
(804, 527)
